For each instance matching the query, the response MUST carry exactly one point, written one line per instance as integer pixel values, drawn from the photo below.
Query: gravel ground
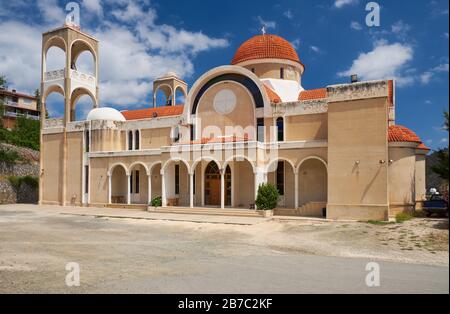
(129, 255)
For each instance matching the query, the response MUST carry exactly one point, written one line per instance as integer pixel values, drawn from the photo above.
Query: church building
(334, 151)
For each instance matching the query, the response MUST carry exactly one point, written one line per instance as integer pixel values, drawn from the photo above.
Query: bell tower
(169, 84)
(69, 82)
(72, 84)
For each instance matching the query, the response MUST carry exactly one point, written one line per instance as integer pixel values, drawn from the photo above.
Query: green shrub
(268, 197)
(9, 156)
(402, 217)
(157, 202)
(17, 182)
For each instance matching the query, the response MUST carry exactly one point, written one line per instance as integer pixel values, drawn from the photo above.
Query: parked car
(436, 205)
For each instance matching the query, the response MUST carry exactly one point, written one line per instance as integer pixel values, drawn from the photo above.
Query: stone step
(209, 211)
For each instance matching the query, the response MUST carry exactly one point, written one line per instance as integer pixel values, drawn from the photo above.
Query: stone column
(191, 190)
(128, 189)
(109, 189)
(163, 190)
(296, 189)
(149, 188)
(222, 189)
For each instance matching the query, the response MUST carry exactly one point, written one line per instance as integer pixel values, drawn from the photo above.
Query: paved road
(122, 256)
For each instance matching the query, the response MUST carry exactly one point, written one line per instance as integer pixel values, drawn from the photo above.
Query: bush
(9, 156)
(157, 202)
(268, 197)
(17, 182)
(402, 217)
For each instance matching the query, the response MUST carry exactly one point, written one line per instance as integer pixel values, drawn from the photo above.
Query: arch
(55, 41)
(118, 164)
(168, 162)
(54, 88)
(252, 163)
(276, 160)
(153, 165)
(243, 80)
(175, 95)
(137, 163)
(312, 157)
(226, 69)
(168, 93)
(212, 186)
(85, 46)
(205, 158)
(75, 97)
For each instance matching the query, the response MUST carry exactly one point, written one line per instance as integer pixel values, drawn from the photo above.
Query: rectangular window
(87, 142)
(192, 132)
(137, 184)
(194, 183)
(131, 183)
(86, 179)
(260, 129)
(130, 140)
(282, 73)
(137, 142)
(177, 179)
(280, 177)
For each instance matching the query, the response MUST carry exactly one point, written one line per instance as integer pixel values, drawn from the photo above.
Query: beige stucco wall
(155, 138)
(312, 182)
(107, 140)
(420, 177)
(272, 70)
(243, 114)
(401, 179)
(52, 153)
(306, 127)
(74, 192)
(357, 142)
(244, 184)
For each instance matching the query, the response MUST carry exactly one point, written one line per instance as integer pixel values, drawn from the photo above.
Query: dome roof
(265, 47)
(399, 133)
(109, 114)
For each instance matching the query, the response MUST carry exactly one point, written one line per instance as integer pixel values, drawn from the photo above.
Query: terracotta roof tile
(423, 147)
(399, 133)
(265, 47)
(218, 140)
(273, 96)
(312, 94)
(149, 113)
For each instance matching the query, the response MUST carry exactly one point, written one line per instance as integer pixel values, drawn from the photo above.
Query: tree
(268, 197)
(441, 168)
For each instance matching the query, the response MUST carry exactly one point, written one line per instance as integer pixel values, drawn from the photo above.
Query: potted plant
(155, 203)
(267, 198)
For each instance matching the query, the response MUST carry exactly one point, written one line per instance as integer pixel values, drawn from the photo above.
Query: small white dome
(105, 113)
(170, 74)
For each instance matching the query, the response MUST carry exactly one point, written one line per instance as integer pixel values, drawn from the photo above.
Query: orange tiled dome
(265, 47)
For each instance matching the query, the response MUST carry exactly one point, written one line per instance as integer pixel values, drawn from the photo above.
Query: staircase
(311, 209)
(209, 211)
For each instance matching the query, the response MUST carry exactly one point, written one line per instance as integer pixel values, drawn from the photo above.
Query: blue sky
(141, 40)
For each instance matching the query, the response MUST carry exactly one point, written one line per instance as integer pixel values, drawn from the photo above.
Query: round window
(225, 101)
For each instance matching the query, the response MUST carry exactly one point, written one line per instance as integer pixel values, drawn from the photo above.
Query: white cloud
(93, 6)
(133, 52)
(316, 49)
(296, 43)
(427, 76)
(288, 14)
(356, 26)
(267, 24)
(51, 12)
(400, 29)
(341, 3)
(385, 61)
(443, 140)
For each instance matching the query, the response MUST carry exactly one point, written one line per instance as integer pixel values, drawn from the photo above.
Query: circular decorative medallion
(225, 101)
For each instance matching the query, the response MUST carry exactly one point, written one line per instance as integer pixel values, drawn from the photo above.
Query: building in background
(17, 104)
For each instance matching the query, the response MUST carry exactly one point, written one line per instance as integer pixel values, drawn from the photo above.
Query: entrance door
(212, 185)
